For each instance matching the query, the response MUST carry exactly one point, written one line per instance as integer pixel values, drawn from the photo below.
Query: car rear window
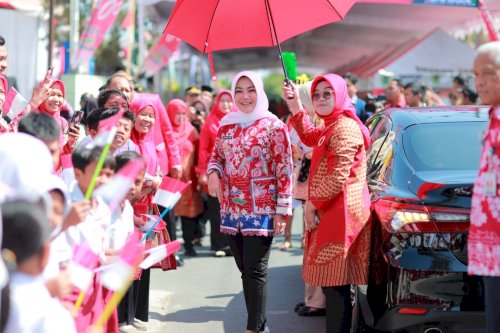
(444, 146)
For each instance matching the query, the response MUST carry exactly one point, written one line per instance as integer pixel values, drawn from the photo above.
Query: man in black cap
(207, 93)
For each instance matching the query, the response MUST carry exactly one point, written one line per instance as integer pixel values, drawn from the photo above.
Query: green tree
(273, 86)
(107, 56)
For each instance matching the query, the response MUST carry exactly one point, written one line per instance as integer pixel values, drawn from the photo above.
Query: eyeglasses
(327, 94)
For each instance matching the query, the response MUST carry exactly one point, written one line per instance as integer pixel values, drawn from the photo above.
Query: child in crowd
(122, 141)
(91, 231)
(26, 236)
(127, 308)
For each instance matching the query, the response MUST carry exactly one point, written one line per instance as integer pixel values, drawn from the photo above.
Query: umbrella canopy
(213, 25)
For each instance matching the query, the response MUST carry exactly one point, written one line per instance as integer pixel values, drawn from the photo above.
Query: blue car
(422, 165)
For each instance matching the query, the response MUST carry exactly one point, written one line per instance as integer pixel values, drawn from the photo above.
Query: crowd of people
(246, 168)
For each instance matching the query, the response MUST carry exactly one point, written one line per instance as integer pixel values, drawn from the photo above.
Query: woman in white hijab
(250, 173)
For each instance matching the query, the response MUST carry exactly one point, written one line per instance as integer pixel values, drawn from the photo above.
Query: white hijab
(261, 107)
(25, 164)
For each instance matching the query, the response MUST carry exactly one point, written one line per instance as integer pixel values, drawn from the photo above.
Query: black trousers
(218, 240)
(135, 303)
(188, 231)
(251, 254)
(338, 309)
(491, 302)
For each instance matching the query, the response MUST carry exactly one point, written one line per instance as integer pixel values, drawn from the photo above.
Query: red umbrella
(213, 25)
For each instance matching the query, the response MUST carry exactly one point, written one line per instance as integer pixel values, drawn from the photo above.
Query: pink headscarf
(145, 141)
(343, 105)
(63, 123)
(183, 131)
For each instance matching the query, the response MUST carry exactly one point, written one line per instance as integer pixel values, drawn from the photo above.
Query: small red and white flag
(81, 268)
(158, 253)
(170, 192)
(123, 267)
(107, 129)
(14, 104)
(68, 172)
(113, 192)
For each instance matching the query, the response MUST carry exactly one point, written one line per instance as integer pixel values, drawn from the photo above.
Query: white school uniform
(121, 227)
(33, 310)
(93, 229)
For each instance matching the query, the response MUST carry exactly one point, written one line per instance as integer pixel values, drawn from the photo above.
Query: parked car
(422, 165)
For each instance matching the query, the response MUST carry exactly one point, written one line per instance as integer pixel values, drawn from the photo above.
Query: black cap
(207, 88)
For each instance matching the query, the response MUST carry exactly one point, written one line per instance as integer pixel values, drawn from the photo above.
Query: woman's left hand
(279, 224)
(73, 135)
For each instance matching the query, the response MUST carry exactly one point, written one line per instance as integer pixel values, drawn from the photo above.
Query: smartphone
(76, 119)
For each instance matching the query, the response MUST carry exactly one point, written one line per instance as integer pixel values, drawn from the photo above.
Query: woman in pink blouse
(250, 173)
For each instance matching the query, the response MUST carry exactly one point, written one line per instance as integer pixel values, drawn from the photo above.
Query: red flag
(121, 269)
(170, 191)
(107, 129)
(116, 190)
(157, 254)
(81, 268)
(14, 104)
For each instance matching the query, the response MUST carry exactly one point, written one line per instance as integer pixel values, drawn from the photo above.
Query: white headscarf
(261, 107)
(25, 163)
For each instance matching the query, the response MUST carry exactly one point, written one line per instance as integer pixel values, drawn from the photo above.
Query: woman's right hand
(293, 103)
(202, 179)
(310, 216)
(214, 186)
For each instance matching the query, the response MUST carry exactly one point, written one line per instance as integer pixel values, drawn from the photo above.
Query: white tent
(433, 59)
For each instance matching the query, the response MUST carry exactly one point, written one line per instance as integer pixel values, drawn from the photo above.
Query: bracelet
(212, 171)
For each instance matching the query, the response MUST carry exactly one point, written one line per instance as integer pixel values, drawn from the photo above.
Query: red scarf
(343, 105)
(63, 123)
(181, 132)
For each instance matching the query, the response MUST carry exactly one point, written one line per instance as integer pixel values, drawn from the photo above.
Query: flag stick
(155, 224)
(113, 303)
(79, 302)
(97, 171)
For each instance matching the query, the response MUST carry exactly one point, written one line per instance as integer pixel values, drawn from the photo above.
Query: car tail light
(413, 311)
(405, 217)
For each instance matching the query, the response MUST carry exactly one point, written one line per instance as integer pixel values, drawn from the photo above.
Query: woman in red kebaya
(190, 205)
(336, 251)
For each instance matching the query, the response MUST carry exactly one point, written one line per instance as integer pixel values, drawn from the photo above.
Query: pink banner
(103, 17)
(159, 54)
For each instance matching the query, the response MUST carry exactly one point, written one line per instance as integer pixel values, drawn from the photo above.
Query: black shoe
(229, 253)
(190, 253)
(179, 260)
(307, 311)
(298, 306)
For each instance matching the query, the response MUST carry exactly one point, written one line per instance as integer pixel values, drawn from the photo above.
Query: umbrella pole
(277, 41)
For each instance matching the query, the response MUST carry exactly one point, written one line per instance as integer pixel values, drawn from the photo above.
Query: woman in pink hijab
(52, 106)
(337, 244)
(191, 205)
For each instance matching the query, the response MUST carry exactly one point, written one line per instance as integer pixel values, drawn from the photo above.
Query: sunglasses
(327, 94)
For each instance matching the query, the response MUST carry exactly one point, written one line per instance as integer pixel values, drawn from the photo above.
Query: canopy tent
(34, 6)
(433, 59)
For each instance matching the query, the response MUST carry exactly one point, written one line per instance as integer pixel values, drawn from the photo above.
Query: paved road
(206, 294)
